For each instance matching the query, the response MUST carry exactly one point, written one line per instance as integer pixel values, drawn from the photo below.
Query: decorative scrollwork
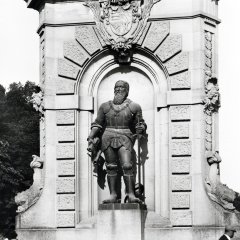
(121, 23)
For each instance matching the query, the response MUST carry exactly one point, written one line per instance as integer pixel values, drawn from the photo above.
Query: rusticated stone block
(67, 69)
(156, 34)
(180, 112)
(180, 81)
(65, 185)
(66, 168)
(66, 133)
(180, 165)
(74, 52)
(181, 148)
(180, 130)
(181, 218)
(178, 63)
(65, 86)
(180, 200)
(86, 36)
(170, 47)
(66, 202)
(142, 35)
(65, 117)
(99, 36)
(65, 151)
(66, 219)
(181, 183)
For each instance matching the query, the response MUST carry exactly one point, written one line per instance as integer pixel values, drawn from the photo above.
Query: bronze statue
(115, 130)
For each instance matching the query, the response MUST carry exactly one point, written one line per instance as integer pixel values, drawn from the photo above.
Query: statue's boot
(112, 180)
(130, 184)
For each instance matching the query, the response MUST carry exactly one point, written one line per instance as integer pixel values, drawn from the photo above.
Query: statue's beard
(119, 97)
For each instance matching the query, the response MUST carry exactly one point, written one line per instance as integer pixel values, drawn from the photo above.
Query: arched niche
(148, 84)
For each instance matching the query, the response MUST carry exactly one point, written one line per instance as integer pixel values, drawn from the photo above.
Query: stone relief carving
(38, 104)
(212, 99)
(120, 23)
(27, 198)
(218, 192)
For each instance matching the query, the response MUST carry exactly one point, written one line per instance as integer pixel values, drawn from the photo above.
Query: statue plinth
(121, 221)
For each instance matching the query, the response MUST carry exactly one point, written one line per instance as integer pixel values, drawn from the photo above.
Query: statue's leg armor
(128, 176)
(111, 166)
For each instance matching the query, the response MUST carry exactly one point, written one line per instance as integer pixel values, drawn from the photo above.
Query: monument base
(172, 233)
(121, 221)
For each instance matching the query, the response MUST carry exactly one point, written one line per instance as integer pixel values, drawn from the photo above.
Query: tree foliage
(19, 140)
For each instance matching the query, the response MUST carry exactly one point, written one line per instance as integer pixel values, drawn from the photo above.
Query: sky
(19, 61)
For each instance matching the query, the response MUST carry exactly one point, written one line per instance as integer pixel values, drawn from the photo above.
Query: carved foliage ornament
(120, 22)
(212, 100)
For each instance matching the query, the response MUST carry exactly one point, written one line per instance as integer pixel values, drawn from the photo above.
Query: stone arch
(87, 57)
(166, 48)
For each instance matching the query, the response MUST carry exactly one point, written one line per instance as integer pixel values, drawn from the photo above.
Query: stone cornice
(153, 18)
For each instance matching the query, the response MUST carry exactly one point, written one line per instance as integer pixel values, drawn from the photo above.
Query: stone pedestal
(121, 221)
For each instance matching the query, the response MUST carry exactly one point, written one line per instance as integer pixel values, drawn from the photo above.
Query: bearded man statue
(117, 124)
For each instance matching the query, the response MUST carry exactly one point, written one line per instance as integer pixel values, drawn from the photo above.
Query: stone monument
(167, 51)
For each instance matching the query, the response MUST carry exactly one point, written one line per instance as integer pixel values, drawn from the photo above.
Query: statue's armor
(118, 123)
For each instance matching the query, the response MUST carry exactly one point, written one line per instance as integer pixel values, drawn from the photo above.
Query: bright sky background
(19, 61)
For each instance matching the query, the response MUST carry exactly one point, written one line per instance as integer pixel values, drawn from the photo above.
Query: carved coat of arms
(120, 23)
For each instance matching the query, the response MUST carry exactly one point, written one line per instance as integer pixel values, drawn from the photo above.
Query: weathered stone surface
(208, 62)
(65, 185)
(180, 130)
(65, 86)
(99, 36)
(180, 200)
(181, 183)
(170, 47)
(143, 34)
(181, 148)
(65, 117)
(67, 69)
(66, 202)
(180, 81)
(66, 133)
(86, 103)
(180, 165)
(86, 36)
(181, 218)
(66, 219)
(65, 151)
(156, 34)
(66, 168)
(74, 52)
(178, 63)
(180, 112)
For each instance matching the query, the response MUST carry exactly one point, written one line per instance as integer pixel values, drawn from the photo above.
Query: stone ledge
(121, 206)
(185, 97)
(63, 102)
